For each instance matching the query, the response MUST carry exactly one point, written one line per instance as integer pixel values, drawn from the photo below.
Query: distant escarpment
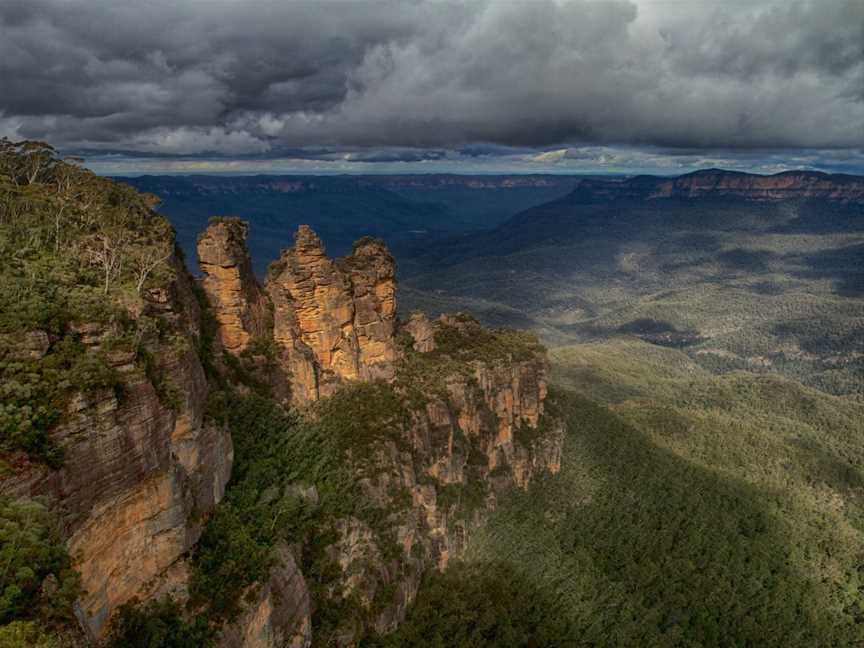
(233, 463)
(716, 183)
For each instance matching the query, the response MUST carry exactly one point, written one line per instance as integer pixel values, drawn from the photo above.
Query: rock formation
(472, 437)
(141, 471)
(279, 616)
(474, 427)
(135, 469)
(422, 332)
(238, 304)
(332, 320)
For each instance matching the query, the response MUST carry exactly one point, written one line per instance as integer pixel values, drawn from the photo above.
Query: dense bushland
(693, 509)
(481, 604)
(294, 474)
(159, 624)
(37, 584)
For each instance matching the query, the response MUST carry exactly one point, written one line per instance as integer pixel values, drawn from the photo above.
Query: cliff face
(143, 465)
(715, 183)
(476, 430)
(135, 467)
(342, 312)
(279, 616)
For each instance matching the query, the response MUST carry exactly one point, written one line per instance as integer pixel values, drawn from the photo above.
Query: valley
(406, 211)
(741, 282)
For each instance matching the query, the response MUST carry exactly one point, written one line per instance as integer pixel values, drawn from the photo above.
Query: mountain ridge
(715, 182)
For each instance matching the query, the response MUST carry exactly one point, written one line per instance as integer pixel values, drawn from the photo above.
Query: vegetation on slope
(742, 285)
(460, 341)
(693, 510)
(293, 476)
(37, 583)
(77, 249)
(278, 457)
(480, 604)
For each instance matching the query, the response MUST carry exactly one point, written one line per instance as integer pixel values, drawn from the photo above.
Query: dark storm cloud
(255, 77)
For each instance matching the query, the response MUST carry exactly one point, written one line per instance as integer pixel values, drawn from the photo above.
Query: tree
(31, 551)
(150, 253)
(106, 251)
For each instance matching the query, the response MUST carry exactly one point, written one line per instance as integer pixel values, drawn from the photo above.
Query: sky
(495, 86)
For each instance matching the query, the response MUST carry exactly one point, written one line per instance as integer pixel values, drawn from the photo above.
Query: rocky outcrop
(143, 466)
(136, 469)
(238, 303)
(422, 332)
(372, 273)
(473, 429)
(332, 320)
(342, 311)
(717, 183)
(473, 435)
(279, 616)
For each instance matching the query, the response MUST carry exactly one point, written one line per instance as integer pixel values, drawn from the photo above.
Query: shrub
(32, 551)
(34, 391)
(158, 624)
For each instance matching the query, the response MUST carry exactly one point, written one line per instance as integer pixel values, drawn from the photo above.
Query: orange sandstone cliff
(138, 471)
(475, 424)
(332, 320)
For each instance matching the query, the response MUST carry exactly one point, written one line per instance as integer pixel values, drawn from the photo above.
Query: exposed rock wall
(135, 468)
(238, 303)
(280, 614)
(342, 311)
(372, 273)
(464, 448)
(477, 434)
(139, 471)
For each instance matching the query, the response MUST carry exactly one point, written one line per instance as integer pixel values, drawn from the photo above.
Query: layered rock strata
(135, 468)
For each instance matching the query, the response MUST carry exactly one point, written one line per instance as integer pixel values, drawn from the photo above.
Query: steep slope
(449, 417)
(103, 392)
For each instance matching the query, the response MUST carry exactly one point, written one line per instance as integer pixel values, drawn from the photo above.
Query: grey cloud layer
(247, 77)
